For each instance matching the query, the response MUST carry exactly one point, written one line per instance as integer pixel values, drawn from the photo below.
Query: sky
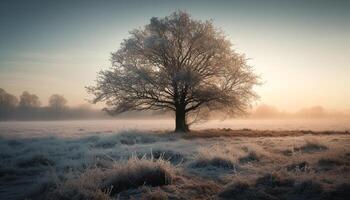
(301, 49)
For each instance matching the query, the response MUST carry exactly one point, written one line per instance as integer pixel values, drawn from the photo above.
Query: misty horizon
(86, 111)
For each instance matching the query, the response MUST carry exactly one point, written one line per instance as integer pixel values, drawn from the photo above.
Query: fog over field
(73, 128)
(142, 159)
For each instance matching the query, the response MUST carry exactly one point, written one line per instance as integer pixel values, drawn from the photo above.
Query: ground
(205, 164)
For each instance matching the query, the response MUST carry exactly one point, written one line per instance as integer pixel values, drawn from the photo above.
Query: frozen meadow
(79, 128)
(140, 159)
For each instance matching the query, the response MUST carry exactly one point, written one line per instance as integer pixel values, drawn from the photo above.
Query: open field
(104, 160)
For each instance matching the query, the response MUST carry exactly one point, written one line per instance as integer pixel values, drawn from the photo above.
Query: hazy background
(300, 48)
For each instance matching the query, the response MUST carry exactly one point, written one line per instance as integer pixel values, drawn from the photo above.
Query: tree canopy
(57, 101)
(28, 100)
(179, 64)
(8, 103)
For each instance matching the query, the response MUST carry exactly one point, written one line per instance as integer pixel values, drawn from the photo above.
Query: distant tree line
(29, 107)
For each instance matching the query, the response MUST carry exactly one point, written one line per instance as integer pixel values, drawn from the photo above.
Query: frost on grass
(132, 138)
(240, 190)
(36, 160)
(218, 162)
(287, 152)
(269, 186)
(98, 167)
(327, 164)
(97, 184)
(215, 157)
(302, 166)
(171, 155)
(274, 180)
(277, 186)
(307, 189)
(311, 145)
(250, 157)
(139, 172)
(128, 138)
(215, 162)
(87, 185)
(342, 191)
(273, 187)
(156, 194)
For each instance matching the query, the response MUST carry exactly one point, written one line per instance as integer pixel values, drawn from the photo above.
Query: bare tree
(179, 64)
(57, 101)
(28, 100)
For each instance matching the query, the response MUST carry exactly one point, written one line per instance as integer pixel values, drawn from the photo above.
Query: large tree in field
(179, 64)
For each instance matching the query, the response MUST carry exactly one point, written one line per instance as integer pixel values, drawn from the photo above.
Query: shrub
(328, 164)
(244, 191)
(14, 142)
(274, 180)
(131, 138)
(341, 192)
(85, 186)
(287, 152)
(311, 146)
(299, 167)
(169, 155)
(97, 184)
(139, 172)
(273, 187)
(308, 190)
(218, 162)
(235, 190)
(155, 195)
(126, 138)
(35, 161)
(250, 157)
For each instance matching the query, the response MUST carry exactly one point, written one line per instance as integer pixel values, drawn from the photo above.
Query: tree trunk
(180, 120)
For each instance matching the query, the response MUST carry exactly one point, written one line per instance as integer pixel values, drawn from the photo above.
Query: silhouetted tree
(57, 106)
(180, 64)
(57, 101)
(8, 103)
(28, 100)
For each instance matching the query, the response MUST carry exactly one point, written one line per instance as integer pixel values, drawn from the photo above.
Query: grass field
(205, 164)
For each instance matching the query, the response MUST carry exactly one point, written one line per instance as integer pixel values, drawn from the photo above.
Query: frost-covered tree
(179, 64)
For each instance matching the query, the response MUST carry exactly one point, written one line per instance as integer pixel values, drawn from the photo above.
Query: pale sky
(300, 48)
